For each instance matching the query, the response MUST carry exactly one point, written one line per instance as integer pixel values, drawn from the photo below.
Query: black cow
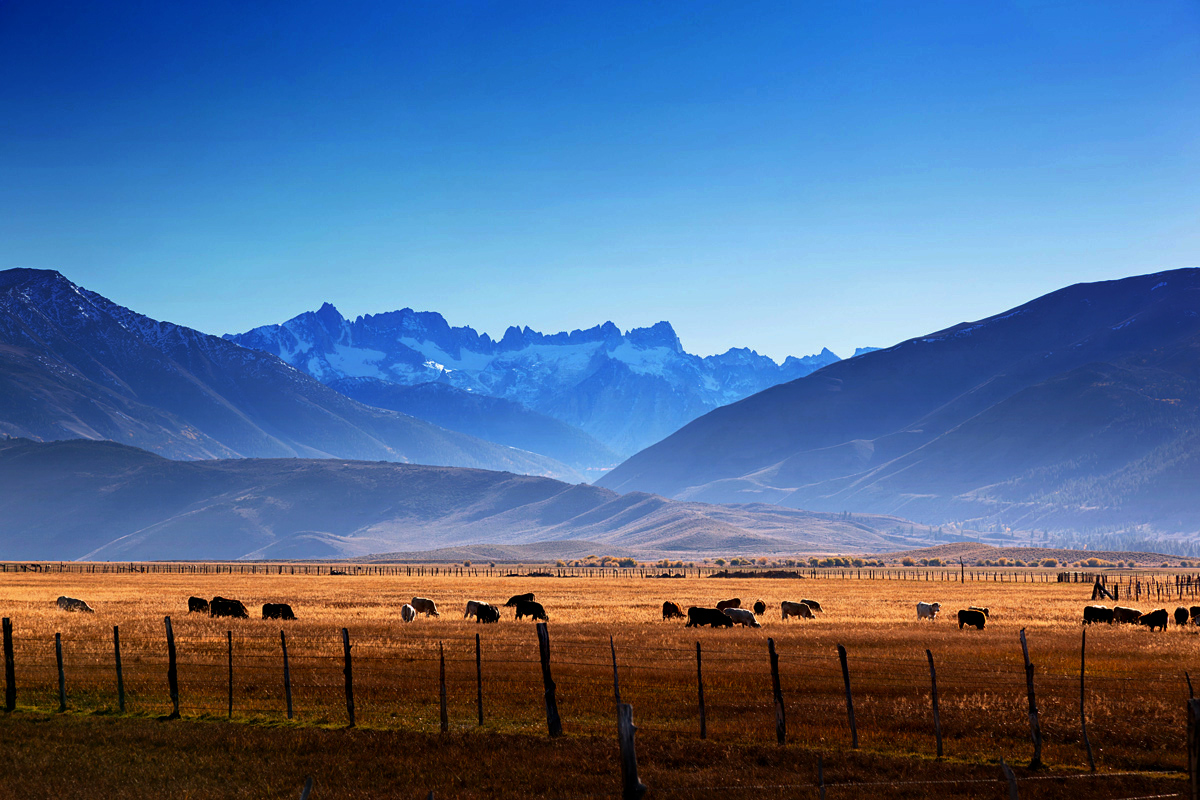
(1097, 614)
(733, 603)
(1157, 618)
(222, 607)
(672, 610)
(713, 617)
(813, 604)
(969, 616)
(1182, 616)
(485, 612)
(528, 608)
(197, 604)
(760, 608)
(1194, 611)
(519, 598)
(277, 611)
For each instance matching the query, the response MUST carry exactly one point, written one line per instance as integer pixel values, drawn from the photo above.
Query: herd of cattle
(729, 612)
(1157, 618)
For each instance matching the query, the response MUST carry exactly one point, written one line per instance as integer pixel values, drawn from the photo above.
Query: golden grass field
(1136, 691)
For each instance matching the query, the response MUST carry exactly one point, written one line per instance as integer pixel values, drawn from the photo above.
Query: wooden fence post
(700, 690)
(1193, 746)
(849, 696)
(287, 674)
(229, 647)
(172, 672)
(1035, 730)
(442, 689)
(820, 777)
(348, 671)
(616, 680)
(10, 668)
(1007, 772)
(308, 786)
(120, 675)
(1188, 678)
(1082, 712)
(631, 787)
(62, 677)
(937, 720)
(478, 679)
(777, 694)
(552, 720)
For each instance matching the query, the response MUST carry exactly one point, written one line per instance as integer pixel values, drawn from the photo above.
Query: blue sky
(783, 176)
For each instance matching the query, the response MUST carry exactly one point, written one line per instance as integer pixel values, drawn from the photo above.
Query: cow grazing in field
(197, 604)
(485, 612)
(1097, 614)
(742, 617)
(1182, 616)
(425, 606)
(407, 613)
(519, 598)
(224, 607)
(277, 611)
(71, 604)
(760, 608)
(1158, 618)
(928, 610)
(672, 610)
(473, 609)
(1126, 615)
(735, 602)
(1194, 611)
(971, 616)
(986, 612)
(699, 617)
(790, 609)
(813, 604)
(528, 608)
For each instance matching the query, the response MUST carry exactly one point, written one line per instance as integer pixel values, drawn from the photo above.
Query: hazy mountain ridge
(1076, 410)
(106, 501)
(625, 389)
(72, 363)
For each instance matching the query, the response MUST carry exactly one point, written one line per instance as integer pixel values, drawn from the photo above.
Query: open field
(1135, 689)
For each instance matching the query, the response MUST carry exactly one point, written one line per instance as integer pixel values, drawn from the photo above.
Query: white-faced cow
(791, 609)
(928, 610)
(742, 617)
(407, 613)
(425, 606)
(473, 609)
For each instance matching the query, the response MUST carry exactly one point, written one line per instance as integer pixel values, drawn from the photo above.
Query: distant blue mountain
(628, 390)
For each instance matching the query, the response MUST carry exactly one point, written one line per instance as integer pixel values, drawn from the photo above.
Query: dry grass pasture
(1135, 697)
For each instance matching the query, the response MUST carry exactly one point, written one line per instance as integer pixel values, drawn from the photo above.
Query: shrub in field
(908, 561)
(1049, 562)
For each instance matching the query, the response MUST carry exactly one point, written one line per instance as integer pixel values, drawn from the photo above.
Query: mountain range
(106, 501)
(1077, 410)
(626, 390)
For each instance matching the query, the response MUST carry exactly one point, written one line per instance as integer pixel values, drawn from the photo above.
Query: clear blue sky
(783, 176)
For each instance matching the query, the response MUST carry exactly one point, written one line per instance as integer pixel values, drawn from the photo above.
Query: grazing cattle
(1158, 618)
(802, 610)
(528, 608)
(71, 604)
(672, 610)
(981, 610)
(473, 609)
(425, 606)
(1097, 614)
(742, 617)
(1194, 611)
(699, 617)
(1181, 616)
(277, 611)
(407, 613)
(1126, 615)
(519, 598)
(928, 610)
(735, 602)
(197, 604)
(485, 612)
(760, 608)
(971, 616)
(224, 607)
(813, 604)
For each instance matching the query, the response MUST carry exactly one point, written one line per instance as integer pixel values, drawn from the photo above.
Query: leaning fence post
(631, 787)
(120, 675)
(1035, 730)
(10, 668)
(172, 673)
(348, 671)
(478, 679)
(1082, 712)
(849, 697)
(616, 681)
(442, 688)
(229, 647)
(777, 693)
(937, 720)
(307, 790)
(700, 691)
(1007, 772)
(62, 677)
(287, 674)
(552, 720)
